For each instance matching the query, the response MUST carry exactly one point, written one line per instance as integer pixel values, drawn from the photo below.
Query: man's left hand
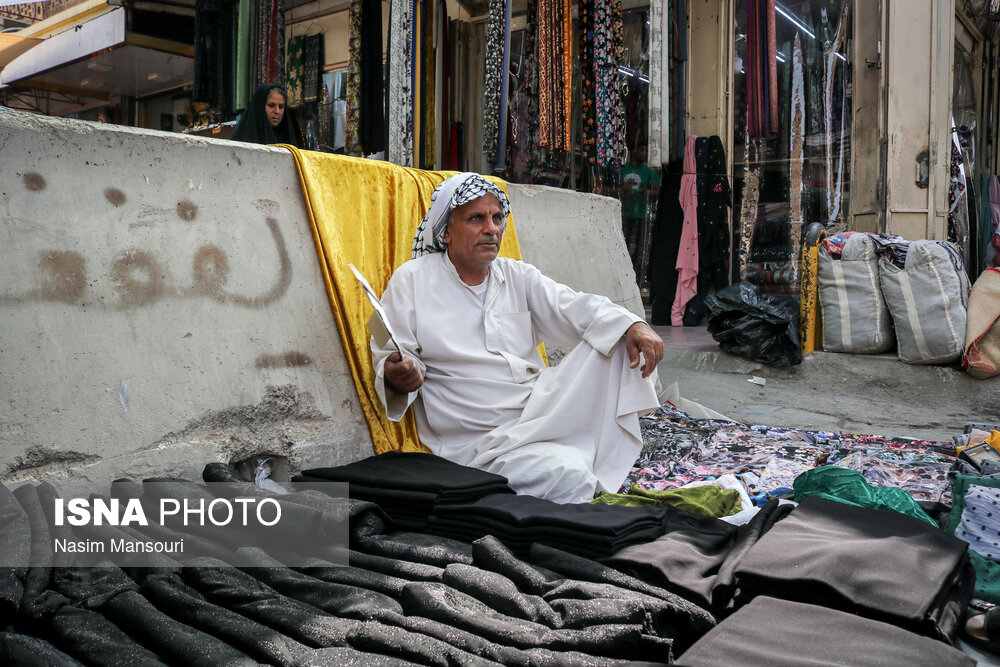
(640, 337)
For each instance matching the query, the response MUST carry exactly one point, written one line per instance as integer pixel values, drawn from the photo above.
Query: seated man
(469, 322)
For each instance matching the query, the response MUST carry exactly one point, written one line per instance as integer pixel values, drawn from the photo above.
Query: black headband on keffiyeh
(452, 193)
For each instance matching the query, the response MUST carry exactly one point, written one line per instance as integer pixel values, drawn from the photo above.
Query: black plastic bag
(754, 325)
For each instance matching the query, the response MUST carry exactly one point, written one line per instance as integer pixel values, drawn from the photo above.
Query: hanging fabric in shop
(588, 112)
(352, 140)
(212, 26)
(834, 163)
(772, 68)
(442, 85)
(751, 197)
(270, 42)
(400, 148)
(678, 78)
(312, 67)
(666, 240)
(958, 200)
(427, 78)
(294, 73)
(495, 29)
(502, 124)
(797, 129)
(714, 200)
(242, 83)
(761, 69)
(610, 108)
(371, 124)
(656, 82)
(687, 254)
(325, 113)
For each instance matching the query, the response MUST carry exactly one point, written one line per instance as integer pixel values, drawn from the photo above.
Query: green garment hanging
(710, 500)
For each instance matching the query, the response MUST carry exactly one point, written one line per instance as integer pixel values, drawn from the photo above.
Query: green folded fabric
(709, 499)
(851, 487)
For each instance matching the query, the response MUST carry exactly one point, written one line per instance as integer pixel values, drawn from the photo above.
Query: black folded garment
(583, 518)
(697, 555)
(875, 563)
(411, 471)
(593, 531)
(778, 632)
(520, 540)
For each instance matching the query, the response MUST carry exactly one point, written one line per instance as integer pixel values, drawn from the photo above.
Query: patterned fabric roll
(352, 140)
(400, 149)
(492, 84)
(312, 67)
(588, 111)
(271, 42)
(295, 71)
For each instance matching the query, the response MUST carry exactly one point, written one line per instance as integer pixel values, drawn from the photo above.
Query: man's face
(474, 233)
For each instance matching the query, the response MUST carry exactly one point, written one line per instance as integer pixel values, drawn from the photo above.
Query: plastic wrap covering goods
(928, 301)
(855, 316)
(754, 325)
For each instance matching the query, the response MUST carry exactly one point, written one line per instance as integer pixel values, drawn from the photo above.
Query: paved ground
(874, 394)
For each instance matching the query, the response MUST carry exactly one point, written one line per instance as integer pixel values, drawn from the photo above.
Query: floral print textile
(400, 149)
(679, 449)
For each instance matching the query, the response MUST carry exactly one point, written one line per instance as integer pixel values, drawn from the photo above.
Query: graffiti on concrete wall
(139, 278)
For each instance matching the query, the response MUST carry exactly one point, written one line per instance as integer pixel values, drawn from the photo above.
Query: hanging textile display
(241, 92)
(834, 172)
(270, 43)
(442, 84)
(428, 101)
(502, 124)
(312, 67)
(608, 102)
(495, 29)
(295, 71)
(678, 83)
(324, 113)
(352, 139)
(797, 129)
(211, 39)
(657, 83)
(588, 112)
(400, 148)
(371, 124)
(687, 254)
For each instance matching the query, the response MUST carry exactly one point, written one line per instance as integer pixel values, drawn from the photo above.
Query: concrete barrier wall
(162, 305)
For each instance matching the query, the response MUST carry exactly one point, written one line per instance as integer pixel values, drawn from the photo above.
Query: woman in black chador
(266, 121)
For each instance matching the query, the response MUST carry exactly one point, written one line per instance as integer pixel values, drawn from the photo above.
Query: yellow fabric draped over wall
(365, 212)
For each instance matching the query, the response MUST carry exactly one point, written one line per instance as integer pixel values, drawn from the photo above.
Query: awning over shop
(12, 46)
(92, 55)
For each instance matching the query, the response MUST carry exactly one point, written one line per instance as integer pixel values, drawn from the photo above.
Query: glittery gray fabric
(405, 598)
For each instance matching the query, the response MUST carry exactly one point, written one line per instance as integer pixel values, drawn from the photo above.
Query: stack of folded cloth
(592, 531)
(410, 486)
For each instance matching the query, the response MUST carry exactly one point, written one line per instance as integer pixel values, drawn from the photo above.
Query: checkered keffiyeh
(452, 193)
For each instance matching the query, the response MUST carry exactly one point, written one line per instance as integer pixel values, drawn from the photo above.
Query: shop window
(792, 117)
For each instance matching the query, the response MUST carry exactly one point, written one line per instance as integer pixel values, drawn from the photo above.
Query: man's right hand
(402, 374)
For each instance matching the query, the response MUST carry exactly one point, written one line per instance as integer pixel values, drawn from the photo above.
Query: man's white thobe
(488, 401)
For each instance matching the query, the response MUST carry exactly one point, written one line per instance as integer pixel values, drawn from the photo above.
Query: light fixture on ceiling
(152, 75)
(85, 82)
(99, 66)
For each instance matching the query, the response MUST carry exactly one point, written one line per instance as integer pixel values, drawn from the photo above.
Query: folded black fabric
(240, 592)
(345, 656)
(804, 634)
(583, 518)
(420, 547)
(697, 556)
(15, 548)
(171, 595)
(27, 651)
(93, 639)
(876, 563)
(411, 471)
